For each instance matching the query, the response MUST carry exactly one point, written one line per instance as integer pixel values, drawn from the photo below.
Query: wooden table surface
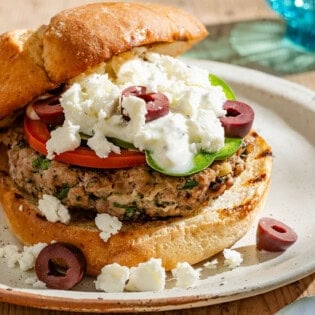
(29, 14)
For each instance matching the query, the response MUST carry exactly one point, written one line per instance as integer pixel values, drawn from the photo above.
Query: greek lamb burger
(112, 145)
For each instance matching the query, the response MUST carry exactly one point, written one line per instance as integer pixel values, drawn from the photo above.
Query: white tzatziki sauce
(93, 106)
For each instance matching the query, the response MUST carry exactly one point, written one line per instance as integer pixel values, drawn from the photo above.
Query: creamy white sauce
(92, 105)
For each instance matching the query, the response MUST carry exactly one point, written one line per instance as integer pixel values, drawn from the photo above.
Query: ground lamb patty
(130, 194)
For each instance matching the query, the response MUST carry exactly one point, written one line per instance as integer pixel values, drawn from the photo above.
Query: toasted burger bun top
(33, 62)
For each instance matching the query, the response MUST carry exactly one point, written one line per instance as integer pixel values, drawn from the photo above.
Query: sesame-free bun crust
(77, 39)
(190, 239)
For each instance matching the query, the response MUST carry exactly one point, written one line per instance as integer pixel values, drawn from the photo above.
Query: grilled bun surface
(190, 239)
(33, 62)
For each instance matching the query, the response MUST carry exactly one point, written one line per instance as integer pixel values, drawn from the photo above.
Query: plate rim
(97, 305)
(36, 299)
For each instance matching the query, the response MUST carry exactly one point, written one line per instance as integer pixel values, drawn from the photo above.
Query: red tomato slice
(37, 135)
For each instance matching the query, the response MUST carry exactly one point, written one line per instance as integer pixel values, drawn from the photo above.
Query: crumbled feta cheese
(176, 70)
(39, 284)
(137, 72)
(186, 276)
(93, 106)
(11, 254)
(108, 225)
(53, 209)
(24, 258)
(35, 249)
(29, 255)
(30, 280)
(232, 258)
(135, 108)
(112, 278)
(64, 138)
(176, 80)
(196, 103)
(26, 261)
(91, 98)
(206, 132)
(212, 264)
(35, 282)
(101, 145)
(148, 276)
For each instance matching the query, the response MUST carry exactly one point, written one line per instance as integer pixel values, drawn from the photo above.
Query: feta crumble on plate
(148, 276)
(24, 258)
(212, 264)
(186, 276)
(232, 258)
(112, 278)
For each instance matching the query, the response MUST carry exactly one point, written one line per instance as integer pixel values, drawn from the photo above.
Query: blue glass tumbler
(299, 16)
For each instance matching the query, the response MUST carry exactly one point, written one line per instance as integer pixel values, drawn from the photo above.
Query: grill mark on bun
(257, 179)
(241, 211)
(264, 154)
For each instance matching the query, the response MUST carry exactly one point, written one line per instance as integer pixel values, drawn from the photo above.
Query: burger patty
(130, 193)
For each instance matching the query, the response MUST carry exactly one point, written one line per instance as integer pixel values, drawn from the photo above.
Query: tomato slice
(37, 135)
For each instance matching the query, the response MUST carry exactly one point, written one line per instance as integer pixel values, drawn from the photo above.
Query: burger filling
(128, 193)
(139, 137)
(115, 100)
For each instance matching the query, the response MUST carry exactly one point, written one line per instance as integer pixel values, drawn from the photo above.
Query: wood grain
(29, 14)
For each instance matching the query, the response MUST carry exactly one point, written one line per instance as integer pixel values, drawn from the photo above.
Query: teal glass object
(258, 44)
(299, 16)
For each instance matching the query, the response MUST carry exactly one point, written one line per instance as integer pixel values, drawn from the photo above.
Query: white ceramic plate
(285, 117)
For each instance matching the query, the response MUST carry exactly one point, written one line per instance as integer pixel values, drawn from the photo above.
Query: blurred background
(243, 32)
(21, 13)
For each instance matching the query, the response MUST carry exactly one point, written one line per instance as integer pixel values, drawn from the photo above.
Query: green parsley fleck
(41, 163)
(62, 192)
(190, 184)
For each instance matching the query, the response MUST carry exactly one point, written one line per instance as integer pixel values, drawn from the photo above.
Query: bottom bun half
(191, 239)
